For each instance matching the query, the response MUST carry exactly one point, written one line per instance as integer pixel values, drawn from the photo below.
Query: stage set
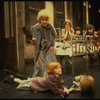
(77, 53)
(81, 53)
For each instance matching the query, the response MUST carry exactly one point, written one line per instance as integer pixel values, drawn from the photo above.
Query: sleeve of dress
(62, 33)
(61, 84)
(52, 84)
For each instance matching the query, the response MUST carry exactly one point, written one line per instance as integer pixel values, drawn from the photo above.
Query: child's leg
(17, 80)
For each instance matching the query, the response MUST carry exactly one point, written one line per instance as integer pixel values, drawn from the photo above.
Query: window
(59, 14)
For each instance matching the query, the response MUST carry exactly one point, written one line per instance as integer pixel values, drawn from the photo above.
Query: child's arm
(66, 90)
(51, 83)
(77, 89)
(76, 83)
(77, 78)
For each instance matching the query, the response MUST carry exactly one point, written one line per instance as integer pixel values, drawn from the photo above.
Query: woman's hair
(43, 14)
(86, 82)
(52, 66)
(68, 21)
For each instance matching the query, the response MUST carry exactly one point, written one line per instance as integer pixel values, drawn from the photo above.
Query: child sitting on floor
(83, 83)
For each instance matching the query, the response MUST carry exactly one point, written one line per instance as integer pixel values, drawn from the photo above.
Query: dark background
(95, 7)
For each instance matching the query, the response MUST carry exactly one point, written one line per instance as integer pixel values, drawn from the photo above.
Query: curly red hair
(52, 66)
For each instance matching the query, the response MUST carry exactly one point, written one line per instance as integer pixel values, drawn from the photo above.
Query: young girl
(83, 83)
(68, 30)
(77, 31)
(53, 81)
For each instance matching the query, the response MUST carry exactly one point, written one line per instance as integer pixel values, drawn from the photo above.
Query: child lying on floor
(83, 83)
(53, 81)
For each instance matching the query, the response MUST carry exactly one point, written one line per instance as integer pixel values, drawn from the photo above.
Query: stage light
(99, 10)
(84, 4)
(89, 6)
